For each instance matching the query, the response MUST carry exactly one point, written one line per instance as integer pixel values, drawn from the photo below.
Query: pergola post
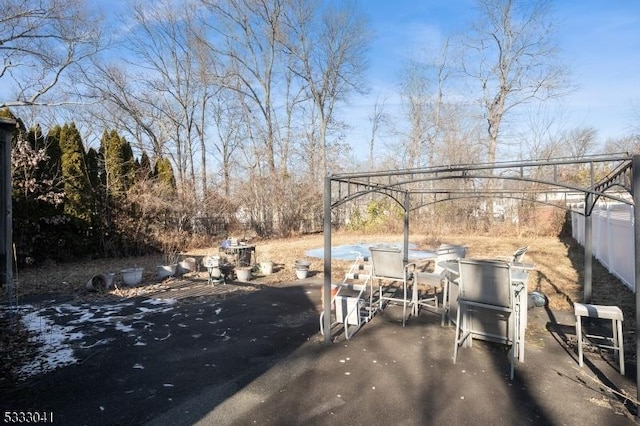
(588, 248)
(7, 129)
(405, 245)
(326, 288)
(635, 191)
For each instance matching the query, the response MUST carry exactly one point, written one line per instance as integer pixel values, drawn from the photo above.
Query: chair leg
(579, 338)
(620, 345)
(515, 343)
(445, 301)
(457, 342)
(404, 304)
(415, 310)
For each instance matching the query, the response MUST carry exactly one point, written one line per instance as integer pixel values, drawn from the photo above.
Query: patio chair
(516, 257)
(388, 266)
(487, 307)
(436, 278)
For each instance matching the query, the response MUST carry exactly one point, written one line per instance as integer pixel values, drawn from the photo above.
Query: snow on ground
(55, 341)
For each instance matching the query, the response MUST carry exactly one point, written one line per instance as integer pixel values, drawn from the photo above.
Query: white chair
(615, 342)
(487, 307)
(388, 266)
(516, 257)
(436, 278)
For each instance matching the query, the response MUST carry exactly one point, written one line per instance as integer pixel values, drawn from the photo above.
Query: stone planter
(243, 273)
(266, 268)
(164, 271)
(132, 276)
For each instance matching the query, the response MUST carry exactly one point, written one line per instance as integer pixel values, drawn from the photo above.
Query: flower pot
(302, 273)
(164, 271)
(243, 274)
(100, 282)
(302, 264)
(266, 267)
(132, 276)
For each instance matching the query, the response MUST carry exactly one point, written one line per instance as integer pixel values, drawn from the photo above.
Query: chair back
(448, 252)
(485, 281)
(448, 248)
(519, 254)
(387, 262)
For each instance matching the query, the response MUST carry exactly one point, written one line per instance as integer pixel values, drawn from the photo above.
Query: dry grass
(558, 274)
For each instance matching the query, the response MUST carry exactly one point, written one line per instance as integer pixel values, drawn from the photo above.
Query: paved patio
(256, 357)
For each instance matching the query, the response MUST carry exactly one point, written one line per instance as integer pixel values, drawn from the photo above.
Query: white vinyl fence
(612, 238)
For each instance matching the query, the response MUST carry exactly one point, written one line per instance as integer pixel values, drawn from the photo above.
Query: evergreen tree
(119, 164)
(163, 172)
(78, 195)
(144, 172)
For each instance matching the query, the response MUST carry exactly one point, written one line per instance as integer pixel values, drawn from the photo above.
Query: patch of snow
(53, 350)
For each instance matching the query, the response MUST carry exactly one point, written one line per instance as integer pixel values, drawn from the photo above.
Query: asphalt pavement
(247, 354)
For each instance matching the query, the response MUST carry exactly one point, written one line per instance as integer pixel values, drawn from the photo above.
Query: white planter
(243, 274)
(266, 268)
(132, 276)
(187, 265)
(302, 273)
(164, 271)
(302, 264)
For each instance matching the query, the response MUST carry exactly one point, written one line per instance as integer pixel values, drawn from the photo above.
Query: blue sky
(599, 42)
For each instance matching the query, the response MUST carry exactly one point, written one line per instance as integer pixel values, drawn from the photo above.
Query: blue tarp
(350, 252)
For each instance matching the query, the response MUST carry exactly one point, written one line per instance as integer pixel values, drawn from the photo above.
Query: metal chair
(436, 278)
(388, 266)
(487, 306)
(516, 257)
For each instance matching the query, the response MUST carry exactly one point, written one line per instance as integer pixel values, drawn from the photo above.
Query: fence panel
(612, 238)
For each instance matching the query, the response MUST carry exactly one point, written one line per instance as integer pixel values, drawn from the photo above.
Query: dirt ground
(559, 265)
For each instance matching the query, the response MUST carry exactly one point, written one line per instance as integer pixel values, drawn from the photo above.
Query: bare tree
(416, 93)
(579, 141)
(629, 144)
(378, 120)
(41, 43)
(245, 36)
(162, 46)
(226, 115)
(330, 46)
(511, 54)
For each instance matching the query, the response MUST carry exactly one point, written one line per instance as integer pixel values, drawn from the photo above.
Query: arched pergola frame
(516, 180)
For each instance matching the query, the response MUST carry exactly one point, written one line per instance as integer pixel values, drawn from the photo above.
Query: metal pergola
(7, 129)
(614, 177)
